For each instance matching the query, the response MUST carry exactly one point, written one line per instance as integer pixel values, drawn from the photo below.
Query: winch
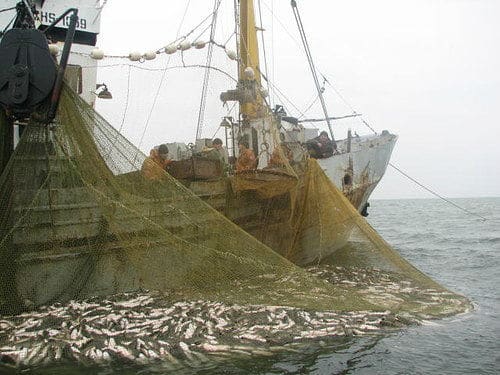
(29, 74)
(27, 71)
(30, 77)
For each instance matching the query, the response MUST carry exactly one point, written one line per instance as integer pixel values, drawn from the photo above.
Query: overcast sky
(427, 70)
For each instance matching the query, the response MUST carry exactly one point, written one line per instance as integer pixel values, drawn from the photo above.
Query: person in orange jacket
(154, 166)
(278, 156)
(246, 160)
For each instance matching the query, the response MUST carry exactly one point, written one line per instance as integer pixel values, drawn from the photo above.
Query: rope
(99, 11)
(436, 194)
(329, 118)
(7, 9)
(124, 115)
(398, 169)
(315, 99)
(126, 102)
(161, 83)
(206, 77)
(348, 104)
(163, 69)
(263, 46)
(8, 25)
(355, 114)
(311, 65)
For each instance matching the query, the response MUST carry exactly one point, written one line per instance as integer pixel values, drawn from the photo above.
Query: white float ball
(150, 55)
(135, 56)
(249, 73)
(199, 44)
(231, 54)
(171, 48)
(54, 49)
(185, 45)
(97, 54)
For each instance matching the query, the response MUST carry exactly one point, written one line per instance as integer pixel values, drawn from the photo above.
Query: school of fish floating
(141, 328)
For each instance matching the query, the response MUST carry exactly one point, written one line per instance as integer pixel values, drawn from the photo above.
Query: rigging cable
(163, 69)
(264, 48)
(436, 194)
(311, 65)
(316, 97)
(236, 27)
(124, 113)
(206, 77)
(2, 33)
(399, 170)
(99, 11)
(161, 83)
(348, 104)
(219, 127)
(285, 29)
(369, 127)
(7, 9)
(126, 101)
(355, 113)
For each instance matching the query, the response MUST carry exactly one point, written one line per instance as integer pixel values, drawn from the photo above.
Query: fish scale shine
(145, 327)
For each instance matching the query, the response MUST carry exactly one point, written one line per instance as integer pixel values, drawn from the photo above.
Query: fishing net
(79, 219)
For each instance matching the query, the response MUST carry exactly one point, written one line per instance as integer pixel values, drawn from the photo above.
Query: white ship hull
(359, 171)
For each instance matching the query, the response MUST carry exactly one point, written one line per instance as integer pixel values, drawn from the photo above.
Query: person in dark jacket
(321, 147)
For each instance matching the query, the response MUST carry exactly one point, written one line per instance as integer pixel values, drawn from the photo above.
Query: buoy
(185, 45)
(199, 44)
(54, 49)
(135, 56)
(150, 55)
(97, 54)
(231, 54)
(249, 73)
(171, 48)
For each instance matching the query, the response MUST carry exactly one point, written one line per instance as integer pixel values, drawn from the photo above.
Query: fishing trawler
(355, 167)
(71, 198)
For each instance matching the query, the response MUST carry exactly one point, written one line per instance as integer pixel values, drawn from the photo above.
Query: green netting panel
(6, 140)
(79, 219)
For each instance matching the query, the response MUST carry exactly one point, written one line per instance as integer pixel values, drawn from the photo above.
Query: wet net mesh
(79, 219)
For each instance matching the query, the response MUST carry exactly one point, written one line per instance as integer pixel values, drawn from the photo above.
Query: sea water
(455, 248)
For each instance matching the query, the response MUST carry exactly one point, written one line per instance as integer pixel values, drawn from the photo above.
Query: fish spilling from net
(147, 327)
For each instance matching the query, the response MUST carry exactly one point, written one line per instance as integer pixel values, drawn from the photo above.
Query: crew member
(280, 156)
(154, 166)
(321, 146)
(221, 150)
(246, 160)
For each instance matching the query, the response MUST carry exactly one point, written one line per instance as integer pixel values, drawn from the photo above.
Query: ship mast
(249, 58)
(248, 90)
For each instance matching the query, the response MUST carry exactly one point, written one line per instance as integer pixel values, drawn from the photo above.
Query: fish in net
(78, 219)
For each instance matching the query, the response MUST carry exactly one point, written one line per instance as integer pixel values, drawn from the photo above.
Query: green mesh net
(79, 219)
